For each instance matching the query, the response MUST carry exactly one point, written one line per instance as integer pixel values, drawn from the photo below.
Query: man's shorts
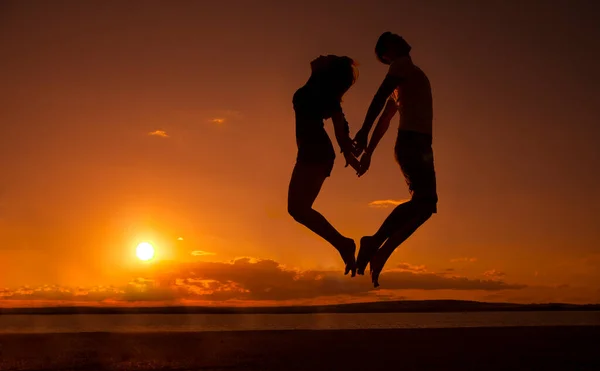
(414, 154)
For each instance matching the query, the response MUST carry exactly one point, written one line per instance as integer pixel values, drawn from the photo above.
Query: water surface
(321, 321)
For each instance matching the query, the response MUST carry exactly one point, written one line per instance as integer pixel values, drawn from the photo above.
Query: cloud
(247, 280)
(59, 293)
(406, 267)
(223, 116)
(231, 114)
(386, 203)
(494, 274)
(159, 133)
(202, 253)
(463, 260)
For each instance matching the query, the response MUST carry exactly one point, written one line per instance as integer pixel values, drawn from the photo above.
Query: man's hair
(389, 40)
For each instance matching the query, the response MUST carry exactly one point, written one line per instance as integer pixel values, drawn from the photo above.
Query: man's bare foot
(347, 251)
(376, 265)
(368, 248)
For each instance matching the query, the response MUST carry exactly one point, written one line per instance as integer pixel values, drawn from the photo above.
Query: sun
(144, 251)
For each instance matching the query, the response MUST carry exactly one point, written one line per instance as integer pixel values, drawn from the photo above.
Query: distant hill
(405, 306)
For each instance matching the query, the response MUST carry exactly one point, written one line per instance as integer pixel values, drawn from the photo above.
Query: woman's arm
(342, 131)
(342, 135)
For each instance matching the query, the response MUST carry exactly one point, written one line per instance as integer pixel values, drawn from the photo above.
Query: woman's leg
(305, 185)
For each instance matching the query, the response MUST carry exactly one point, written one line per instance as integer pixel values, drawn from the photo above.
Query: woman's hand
(352, 161)
(365, 163)
(360, 142)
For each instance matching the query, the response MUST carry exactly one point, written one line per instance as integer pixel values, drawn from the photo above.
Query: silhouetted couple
(405, 89)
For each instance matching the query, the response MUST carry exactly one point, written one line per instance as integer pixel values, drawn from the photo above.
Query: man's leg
(370, 244)
(417, 215)
(415, 156)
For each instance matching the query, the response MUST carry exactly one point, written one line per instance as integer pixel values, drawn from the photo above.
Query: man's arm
(382, 125)
(389, 84)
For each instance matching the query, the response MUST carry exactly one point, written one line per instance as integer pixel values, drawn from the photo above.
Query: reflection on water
(243, 322)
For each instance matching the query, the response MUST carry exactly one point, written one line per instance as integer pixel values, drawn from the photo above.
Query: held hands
(353, 150)
(359, 144)
(361, 166)
(351, 160)
(365, 163)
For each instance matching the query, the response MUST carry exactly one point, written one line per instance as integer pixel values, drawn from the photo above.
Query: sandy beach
(518, 348)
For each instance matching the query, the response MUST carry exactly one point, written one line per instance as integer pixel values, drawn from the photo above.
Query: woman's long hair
(335, 75)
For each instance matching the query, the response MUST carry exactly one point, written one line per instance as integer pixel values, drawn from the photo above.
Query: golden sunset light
(144, 251)
(166, 135)
(300, 185)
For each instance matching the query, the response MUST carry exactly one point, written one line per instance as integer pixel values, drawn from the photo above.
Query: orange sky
(148, 121)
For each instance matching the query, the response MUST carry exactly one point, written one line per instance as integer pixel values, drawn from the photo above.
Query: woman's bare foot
(347, 250)
(368, 248)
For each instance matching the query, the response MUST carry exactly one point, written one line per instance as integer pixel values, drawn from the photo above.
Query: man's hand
(365, 163)
(360, 142)
(352, 161)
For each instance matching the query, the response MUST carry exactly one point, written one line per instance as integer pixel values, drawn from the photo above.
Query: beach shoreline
(393, 306)
(497, 348)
